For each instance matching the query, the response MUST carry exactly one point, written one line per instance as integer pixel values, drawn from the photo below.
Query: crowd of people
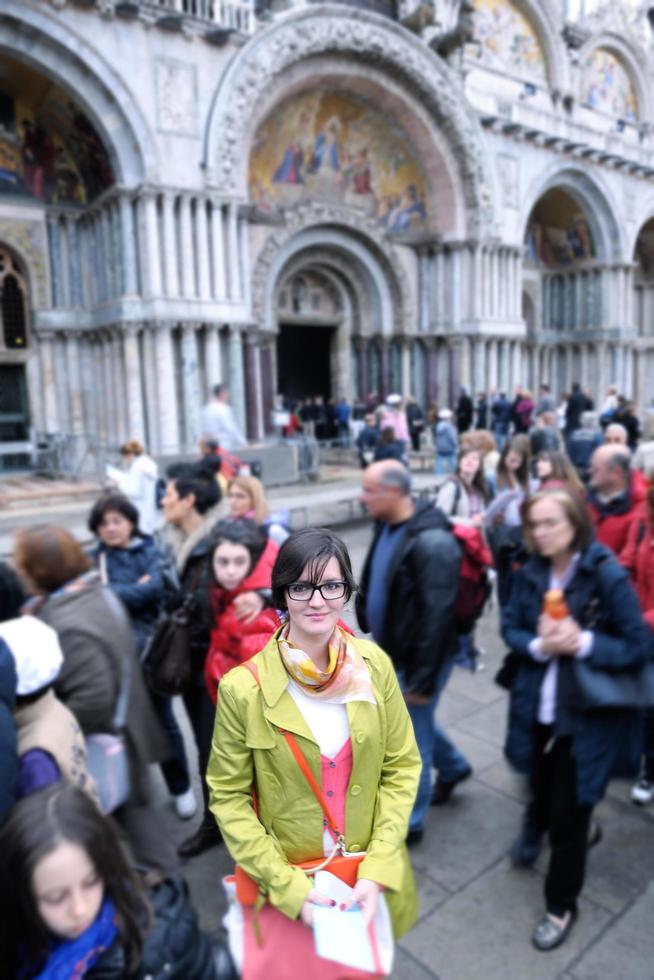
(313, 743)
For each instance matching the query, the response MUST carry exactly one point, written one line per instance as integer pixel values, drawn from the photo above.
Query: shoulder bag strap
(302, 762)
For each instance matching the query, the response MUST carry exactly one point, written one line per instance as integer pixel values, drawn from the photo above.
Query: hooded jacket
(418, 631)
(638, 558)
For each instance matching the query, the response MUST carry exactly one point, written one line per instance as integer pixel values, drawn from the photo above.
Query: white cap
(394, 399)
(36, 651)
(445, 413)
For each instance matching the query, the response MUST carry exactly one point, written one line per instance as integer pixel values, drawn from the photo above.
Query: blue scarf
(71, 958)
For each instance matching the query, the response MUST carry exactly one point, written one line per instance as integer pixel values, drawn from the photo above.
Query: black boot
(207, 835)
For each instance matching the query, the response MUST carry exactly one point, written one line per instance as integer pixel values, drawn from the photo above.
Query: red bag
(474, 587)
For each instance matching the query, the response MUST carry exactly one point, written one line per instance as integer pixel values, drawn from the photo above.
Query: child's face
(231, 564)
(67, 890)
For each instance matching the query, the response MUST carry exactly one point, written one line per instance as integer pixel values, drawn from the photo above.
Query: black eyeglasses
(303, 591)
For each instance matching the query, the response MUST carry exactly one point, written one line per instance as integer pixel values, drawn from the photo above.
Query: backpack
(474, 585)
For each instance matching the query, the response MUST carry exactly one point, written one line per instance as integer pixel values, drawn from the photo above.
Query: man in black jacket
(406, 600)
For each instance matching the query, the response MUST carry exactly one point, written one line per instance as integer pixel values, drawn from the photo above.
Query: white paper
(114, 473)
(343, 936)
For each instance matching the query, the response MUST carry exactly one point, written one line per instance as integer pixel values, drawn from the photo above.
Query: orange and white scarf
(347, 677)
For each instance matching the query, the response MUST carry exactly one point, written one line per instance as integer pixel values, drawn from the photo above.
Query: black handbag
(167, 657)
(623, 689)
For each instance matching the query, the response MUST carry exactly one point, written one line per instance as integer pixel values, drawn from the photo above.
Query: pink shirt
(336, 774)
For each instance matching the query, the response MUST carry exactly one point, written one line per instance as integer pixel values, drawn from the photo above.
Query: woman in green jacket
(338, 695)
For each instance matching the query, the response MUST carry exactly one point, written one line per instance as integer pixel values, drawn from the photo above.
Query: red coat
(613, 520)
(638, 558)
(233, 641)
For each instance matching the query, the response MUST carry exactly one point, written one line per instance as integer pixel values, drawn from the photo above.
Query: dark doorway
(14, 417)
(304, 361)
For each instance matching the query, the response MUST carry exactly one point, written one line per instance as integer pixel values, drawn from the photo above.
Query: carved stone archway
(361, 38)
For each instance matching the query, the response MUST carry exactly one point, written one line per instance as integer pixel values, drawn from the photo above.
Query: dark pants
(175, 769)
(648, 745)
(201, 713)
(554, 808)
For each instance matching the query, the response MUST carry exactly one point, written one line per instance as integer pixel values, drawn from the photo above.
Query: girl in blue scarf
(70, 905)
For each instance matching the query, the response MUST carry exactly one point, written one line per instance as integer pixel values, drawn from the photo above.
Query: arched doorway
(563, 287)
(14, 346)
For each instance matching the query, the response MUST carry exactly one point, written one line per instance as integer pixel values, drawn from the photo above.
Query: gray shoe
(548, 935)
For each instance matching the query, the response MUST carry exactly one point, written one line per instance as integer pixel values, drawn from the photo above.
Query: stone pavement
(476, 911)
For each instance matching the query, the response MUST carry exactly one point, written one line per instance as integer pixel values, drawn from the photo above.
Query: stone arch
(633, 60)
(319, 31)
(599, 208)
(42, 41)
(27, 241)
(322, 228)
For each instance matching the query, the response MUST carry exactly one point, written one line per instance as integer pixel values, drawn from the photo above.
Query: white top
(218, 423)
(139, 484)
(331, 728)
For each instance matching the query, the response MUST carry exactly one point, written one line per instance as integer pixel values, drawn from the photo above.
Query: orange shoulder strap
(301, 761)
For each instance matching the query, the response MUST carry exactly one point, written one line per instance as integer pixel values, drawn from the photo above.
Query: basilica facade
(316, 198)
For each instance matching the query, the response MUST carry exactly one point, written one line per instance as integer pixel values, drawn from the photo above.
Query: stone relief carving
(28, 239)
(176, 88)
(316, 215)
(316, 31)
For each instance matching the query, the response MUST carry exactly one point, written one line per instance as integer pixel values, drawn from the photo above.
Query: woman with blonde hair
(139, 484)
(247, 499)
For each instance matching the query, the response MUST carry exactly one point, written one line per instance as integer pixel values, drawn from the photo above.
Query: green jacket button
(355, 790)
(359, 737)
(354, 847)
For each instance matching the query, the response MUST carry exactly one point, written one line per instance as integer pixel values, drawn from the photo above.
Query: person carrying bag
(338, 699)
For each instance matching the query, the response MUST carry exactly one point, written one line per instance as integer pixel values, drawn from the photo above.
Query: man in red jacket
(614, 497)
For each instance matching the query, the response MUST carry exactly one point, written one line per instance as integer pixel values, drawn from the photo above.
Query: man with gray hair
(583, 442)
(614, 497)
(615, 434)
(406, 600)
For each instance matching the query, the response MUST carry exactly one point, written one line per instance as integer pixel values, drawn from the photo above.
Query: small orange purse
(341, 864)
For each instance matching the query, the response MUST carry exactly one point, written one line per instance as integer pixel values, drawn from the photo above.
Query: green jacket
(248, 748)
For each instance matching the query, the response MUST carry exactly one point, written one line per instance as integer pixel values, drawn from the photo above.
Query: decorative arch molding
(331, 267)
(51, 48)
(634, 60)
(365, 38)
(648, 215)
(545, 18)
(273, 262)
(599, 208)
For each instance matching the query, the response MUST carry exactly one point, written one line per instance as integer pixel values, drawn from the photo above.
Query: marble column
(150, 393)
(454, 351)
(479, 370)
(492, 368)
(236, 376)
(629, 372)
(48, 381)
(107, 422)
(234, 264)
(439, 298)
(465, 373)
(244, 252)
(190, 385)
(202, 239)
(132, 364)
(432, 372)
(153, 257)
(167, 388)
(405, 370)
(477, 283)
(266, 372)
(518, 374)
(384, 369)
(213, 365)
(456, 298)
(364, 383)
(423, 287)
(218, 252)
(76, 408)
(76, 296)
(187, 250)
(54, 245)
(170, 245)
(254, 428)
(35, 387)
(129, 261)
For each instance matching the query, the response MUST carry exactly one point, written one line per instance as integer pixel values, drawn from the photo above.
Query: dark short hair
(118, 503)
(217, 390)
(575, 509)
(312, 547)
(197, 479)
(49, 556)
(37, 825)
(242, 531)
(12, 594)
